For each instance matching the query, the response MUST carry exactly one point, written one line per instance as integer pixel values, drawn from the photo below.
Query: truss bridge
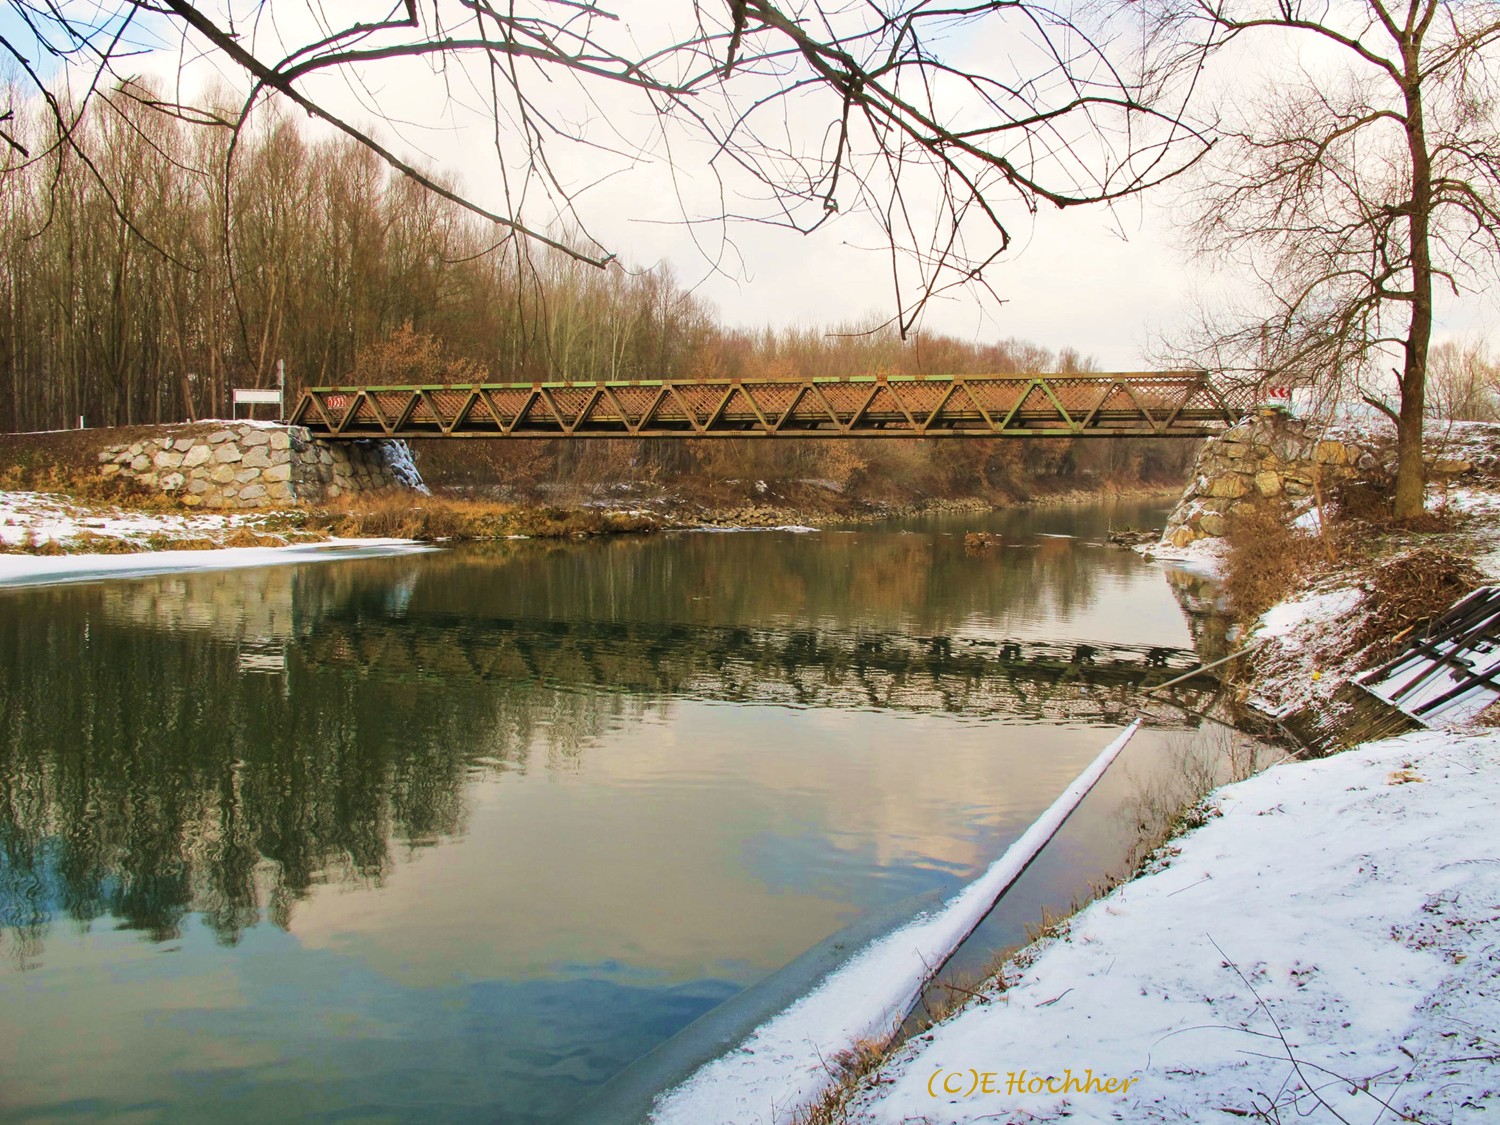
(1187, 404)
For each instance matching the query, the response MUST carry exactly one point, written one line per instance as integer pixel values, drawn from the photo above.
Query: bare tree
(1463, 383)
(928, 118)
(1352, 189)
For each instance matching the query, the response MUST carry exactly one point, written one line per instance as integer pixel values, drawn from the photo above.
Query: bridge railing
(1133, 404)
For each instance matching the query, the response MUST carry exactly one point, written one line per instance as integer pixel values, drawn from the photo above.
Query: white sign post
(250, 396)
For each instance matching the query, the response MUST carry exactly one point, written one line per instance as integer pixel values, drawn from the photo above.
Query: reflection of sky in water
(281, 1031)
(732, 835)
(490, 828)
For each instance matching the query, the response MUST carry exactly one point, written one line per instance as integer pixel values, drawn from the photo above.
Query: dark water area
(462, 835)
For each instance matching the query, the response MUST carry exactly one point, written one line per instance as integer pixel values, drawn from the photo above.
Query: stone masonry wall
(255, 465)
(1266, 458)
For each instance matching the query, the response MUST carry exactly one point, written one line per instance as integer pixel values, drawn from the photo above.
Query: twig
(1287, 1047)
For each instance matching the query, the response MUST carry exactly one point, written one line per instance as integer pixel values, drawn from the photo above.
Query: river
(464, 835)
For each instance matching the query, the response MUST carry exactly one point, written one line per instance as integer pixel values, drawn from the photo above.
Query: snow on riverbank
(1203, 556)
(1326, 948)
(1330, 942)
(36, 570)
(783, 1062)
(43, 519)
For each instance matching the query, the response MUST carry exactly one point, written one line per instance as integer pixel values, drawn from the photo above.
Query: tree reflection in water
(143, 775)
(146, 775)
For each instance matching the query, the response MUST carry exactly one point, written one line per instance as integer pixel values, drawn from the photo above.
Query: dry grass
(92, 543)
(87, 485)
(1267, 559)
(430, 518)
(847, 1070)
(164, 542)
(405, 517)
(31, 545)
(248, 537)
(1489, 717)
(1362, 507)
(1366, 500)
(1405, 593)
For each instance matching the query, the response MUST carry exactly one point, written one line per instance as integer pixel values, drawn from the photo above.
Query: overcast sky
(1075, 281)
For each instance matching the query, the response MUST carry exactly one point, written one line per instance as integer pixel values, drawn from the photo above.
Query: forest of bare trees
(138, 287)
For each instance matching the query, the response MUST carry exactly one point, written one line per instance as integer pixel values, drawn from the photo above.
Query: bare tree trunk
(1411, 476)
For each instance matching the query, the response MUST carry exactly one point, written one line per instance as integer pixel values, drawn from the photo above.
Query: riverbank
(52, 524)
(1322, 947)
(1240, 977)
(769, 504)
(95, 492)
(50, 536)
(103, 521)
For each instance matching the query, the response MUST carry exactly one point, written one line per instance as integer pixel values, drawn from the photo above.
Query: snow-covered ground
(1202, 556)
(46, 517)
(1484, 506)
(30, 519)
(1475, 442)
(1326, 948)
(36, 570)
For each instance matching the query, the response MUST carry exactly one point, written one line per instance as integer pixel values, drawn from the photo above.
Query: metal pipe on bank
(783, 1062)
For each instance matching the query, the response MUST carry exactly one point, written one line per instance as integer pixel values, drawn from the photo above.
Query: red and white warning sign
(1276, 398)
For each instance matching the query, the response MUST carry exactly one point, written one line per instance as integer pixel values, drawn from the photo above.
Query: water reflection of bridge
(123, 793)
(1069, 680)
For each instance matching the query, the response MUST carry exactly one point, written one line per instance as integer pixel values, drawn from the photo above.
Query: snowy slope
(1329, 943)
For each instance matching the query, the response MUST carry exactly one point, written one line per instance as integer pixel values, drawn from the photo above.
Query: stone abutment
(244, 464)
(1267, 459)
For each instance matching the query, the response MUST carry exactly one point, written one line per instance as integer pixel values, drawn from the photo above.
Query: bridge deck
(1140, 404)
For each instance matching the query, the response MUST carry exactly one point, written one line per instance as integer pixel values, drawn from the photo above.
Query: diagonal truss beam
(1185, 404)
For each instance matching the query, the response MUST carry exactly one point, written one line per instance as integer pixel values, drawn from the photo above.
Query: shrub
(1406, 593)
(1268, 558)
